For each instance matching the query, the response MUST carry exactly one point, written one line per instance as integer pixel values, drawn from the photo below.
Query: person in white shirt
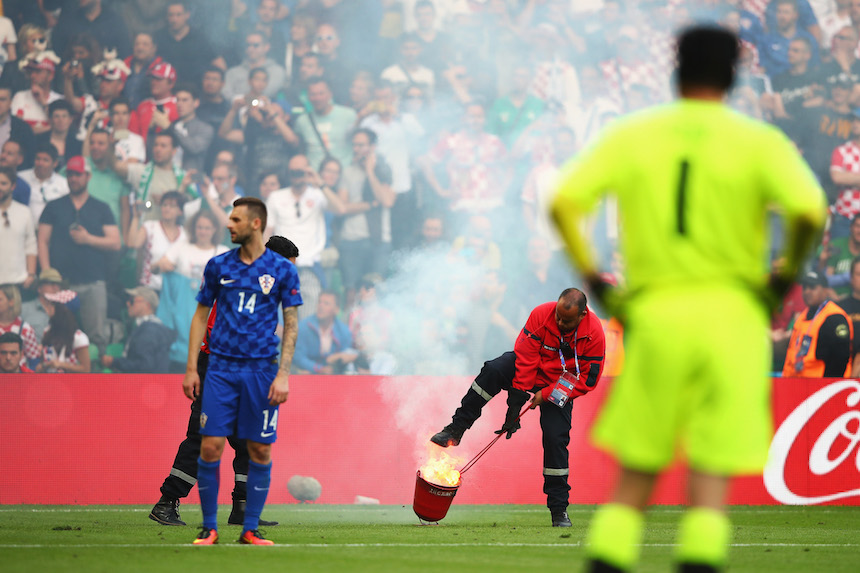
(408, 71)
(17, 236)
(129, 146)
(154, 239)
(45, 183)
(32, 105)
(298, 211)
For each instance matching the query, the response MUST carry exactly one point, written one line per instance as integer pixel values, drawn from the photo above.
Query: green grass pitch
(389, 538)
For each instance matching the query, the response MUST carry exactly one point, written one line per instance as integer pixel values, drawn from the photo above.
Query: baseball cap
(45, 60)
(78, 164)
(813, 278)
(50, 275)
(146, 294)
(164, 71)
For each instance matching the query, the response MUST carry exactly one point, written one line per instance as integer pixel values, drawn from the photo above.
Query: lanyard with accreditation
(562, 390)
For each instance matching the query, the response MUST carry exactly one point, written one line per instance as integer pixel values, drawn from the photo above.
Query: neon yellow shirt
(694, 181)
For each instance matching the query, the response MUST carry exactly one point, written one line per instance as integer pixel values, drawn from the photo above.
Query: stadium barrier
(110, 439)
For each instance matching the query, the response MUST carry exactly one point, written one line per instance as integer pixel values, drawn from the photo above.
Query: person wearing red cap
(158, 111)
(32, 105)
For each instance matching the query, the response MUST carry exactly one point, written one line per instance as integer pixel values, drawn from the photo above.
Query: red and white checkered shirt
(475, 169)
(846, 158)
(28, 335)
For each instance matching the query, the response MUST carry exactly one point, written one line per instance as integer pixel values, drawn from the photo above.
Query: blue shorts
(236, 400)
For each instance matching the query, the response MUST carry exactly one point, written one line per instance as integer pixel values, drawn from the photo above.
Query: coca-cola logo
(831, 425)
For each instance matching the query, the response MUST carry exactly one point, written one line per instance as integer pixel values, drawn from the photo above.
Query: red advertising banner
(110, 439)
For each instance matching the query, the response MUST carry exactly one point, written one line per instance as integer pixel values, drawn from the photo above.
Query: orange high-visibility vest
(810, 366)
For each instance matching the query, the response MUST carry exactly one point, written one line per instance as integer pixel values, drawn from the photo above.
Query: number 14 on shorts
(269, 425)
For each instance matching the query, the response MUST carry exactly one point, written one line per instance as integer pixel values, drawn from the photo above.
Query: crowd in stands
(409, 149)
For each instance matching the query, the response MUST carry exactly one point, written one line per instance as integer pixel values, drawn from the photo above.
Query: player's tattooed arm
(288, 341)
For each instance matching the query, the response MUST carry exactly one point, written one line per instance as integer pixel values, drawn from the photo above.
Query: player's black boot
(237, 516)
(449, 436)
(560, 519)
(166, 512)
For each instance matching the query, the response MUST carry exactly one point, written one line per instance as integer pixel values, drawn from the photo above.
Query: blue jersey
(248, 299)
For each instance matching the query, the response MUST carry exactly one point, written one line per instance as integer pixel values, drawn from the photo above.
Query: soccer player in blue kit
(244, 383)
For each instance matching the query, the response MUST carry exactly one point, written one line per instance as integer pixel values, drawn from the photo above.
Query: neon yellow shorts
(695, 382)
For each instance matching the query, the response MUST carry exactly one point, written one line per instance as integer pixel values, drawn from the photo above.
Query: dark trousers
(183, 474)
(497, 375)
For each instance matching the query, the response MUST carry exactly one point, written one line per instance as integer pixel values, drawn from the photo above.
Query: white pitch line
(389, 508)
(391, 545)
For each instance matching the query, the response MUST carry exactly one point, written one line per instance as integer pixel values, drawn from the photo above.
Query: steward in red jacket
(558, 355)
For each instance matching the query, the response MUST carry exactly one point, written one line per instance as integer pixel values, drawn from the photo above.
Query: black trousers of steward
(183, 474)
(497, 375)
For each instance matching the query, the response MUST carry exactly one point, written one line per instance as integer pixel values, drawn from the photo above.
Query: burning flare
(440, 469)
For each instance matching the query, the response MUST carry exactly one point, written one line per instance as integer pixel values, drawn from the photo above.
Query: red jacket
(538, 362)
(140, 118)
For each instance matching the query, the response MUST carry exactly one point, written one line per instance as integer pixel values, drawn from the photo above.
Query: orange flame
(440, 469)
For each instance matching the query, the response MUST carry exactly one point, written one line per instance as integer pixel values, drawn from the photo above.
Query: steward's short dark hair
(283, 246)
(706, 57)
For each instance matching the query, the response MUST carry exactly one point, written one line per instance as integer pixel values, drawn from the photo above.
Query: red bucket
(432, 501)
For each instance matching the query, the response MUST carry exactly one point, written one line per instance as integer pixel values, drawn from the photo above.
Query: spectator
(17, 236)
(595, 109)
(474, 162)
(845, 174)
(44, 181)
(797, 88)
(110, 75)
(269, 139)
(213, 106)
(31, 105)
(187, 48)
(151, 180)
(105, 185)
(338, 72)
(256, 56)
(397, 135)
(435, 51)
(76, 232)
(298, 210)
(310, 69)
(851, 306)
(193, 134)
(12, 155)
(268, 13)
(836, 258)
(365, 240)
(91, 17)
(324, 344)
(82, 54)
(326, 127)
(834, 22)
(773, 46)
(217, 196)
(35, 312)
(843, 64)
(11, 321)
(361, 94)
(8, 39)
(183, 267)
(511, 114)
(820, 343)
(233, 125)
(65, 348)
(806, 18)
(476, 245)
(14, 128)
(409, 71)
(300, 44)
(142, 61)
(146, 350)
(154, 238)
(60, 134)
(432, 234)
(11, 353)
(31, 39)
(156, 113)
(271, 182)
(128, 146)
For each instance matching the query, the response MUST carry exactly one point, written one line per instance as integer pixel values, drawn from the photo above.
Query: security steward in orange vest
(820, 343)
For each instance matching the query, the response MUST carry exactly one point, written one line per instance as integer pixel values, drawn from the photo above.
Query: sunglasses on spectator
(329, 38)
